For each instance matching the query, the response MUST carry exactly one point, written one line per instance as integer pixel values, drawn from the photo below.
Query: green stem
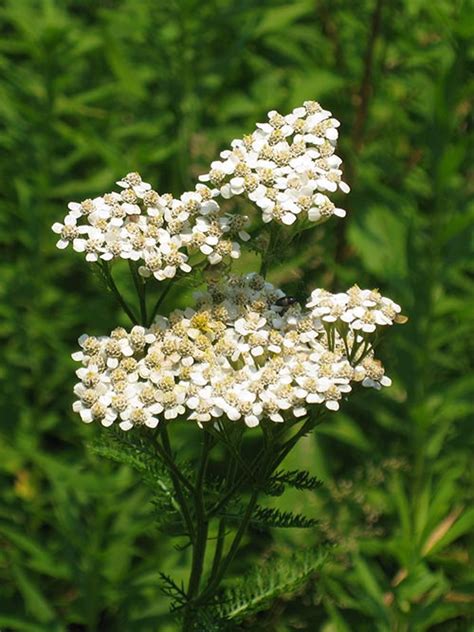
(115, 291)
(272, 244)
(238, 484)
(167, 456)
(141, 291)
(159, 302)
(225, 499)
(346, 347)
(308, 424)
(288, 445)
(219, 574)
(201, 539)
(264, 466)
(177, 478)
(221, 531)
(365, 351)
(202, 522)
(219, 547)
(264, 471)
(234, 451)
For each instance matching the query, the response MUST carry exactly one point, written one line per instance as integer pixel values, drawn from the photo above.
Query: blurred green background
(92, 89)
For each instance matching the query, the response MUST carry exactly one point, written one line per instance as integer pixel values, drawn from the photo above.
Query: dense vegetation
(92, 90)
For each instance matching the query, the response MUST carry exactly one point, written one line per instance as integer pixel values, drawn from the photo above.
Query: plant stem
(232, 491)
(141, 291)
(235, 452)
(364, 97)
(288, 446)
(202, 522)
(214, 583)
(221, 533)
(219, 547)
(162, 297)
(365, 346)
(201, 539)
(366, 83)
(238, 484)
(115, 291)
(177, 478)
(218, 575)
(167, 456)
(272, 243)
(225, 499)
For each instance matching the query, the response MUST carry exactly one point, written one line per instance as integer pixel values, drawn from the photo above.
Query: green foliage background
(92, 89)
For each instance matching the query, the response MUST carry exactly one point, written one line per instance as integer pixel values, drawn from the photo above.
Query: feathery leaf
(272, 517)
(299, 479)
(277, 577)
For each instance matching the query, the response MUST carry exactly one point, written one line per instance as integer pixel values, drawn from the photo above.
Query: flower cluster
(245, 353)
(159, 232)
(287, 166)
(362, 310)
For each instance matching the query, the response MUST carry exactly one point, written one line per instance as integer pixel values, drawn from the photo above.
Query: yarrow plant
(244, 355)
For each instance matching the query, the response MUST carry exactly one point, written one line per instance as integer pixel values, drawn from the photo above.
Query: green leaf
(379, 238)
(269, 517)
(39, 557)
(463, 525)
(299, 479)
(23, 625)
(35, 602)
(279, 18)
(134, 452)
(337, 620)
(345, 429)
(373, 600)
(277, 577)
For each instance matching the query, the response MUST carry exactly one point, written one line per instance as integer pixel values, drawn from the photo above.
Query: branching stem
(219, 574)
(221, 532)
(115, 291)
(263, 472)
(177, 478)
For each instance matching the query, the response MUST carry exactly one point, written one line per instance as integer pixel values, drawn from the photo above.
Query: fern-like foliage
(209, 620)
(299, 479)
(271, 517)
(257, 590)
(214, 486)
(134, 452)
(171, 589)
(138, 454)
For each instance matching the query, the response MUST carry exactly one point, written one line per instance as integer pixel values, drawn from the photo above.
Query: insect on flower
(285, 302)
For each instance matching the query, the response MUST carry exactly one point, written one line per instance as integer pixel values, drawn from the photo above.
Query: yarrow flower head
(158, 231)
(245, 351)
(362, 310)
(243, 354)
(287, 166)
(238, 354)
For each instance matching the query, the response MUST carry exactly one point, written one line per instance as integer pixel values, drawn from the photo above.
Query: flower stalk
(244, 356)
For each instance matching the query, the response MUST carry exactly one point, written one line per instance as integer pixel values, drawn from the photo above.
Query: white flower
(285, 166)
(69, 231)
(158, 232)
(133, 181)
(361, 310)
(236, 356)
